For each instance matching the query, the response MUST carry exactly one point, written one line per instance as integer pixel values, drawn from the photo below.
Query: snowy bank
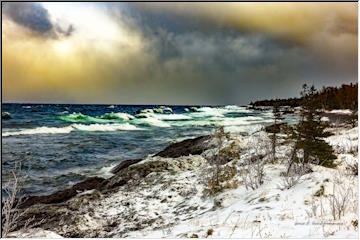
(164, 197)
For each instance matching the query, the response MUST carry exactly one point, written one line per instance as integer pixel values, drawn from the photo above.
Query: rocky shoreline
(58, 207)
(163, 195)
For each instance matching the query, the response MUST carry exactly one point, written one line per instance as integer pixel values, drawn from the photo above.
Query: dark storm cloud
(30, 15)
(222, 65)
(34, 17)
(194, 62)
(205, 68)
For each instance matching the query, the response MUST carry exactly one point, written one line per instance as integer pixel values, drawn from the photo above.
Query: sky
(174, 53)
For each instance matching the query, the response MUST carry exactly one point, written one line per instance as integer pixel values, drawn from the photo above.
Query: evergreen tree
(310, 131)
(354, 115)
(275, 130)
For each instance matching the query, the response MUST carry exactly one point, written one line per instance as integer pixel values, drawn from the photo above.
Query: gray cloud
(35, 18)
(217, 68)
(186, 60)
(196, 62)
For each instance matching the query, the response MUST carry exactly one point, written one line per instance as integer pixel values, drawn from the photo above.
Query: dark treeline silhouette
(344, 97)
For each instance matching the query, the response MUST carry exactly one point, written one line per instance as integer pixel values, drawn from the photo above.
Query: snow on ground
(340, 111)
(160, 199)
(171, 203)
(271, 212)
(34, 233)
(344, 140)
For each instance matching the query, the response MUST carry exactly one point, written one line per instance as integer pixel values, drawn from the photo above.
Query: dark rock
(274, 128)
(288, 111)
(336, 118)
(194, 146)
(127, 171)
(64, 195)
(255, 108)
(124, 164)
(5, 115)
(90, 183)
(135, 172)
(64, 205)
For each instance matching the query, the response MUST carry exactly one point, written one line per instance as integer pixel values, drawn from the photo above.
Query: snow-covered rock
(164, 197)
(34, 233)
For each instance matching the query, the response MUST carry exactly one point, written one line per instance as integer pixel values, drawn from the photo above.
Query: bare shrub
(350, 146)
(233, 184)
(221, 174)
(353, 168)
(224, 179)
(11, 213)
(339, 200)
(289, 181)
(252, 173)
(295, 170)
(167, 230)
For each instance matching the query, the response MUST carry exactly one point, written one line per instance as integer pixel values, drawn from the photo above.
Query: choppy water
(59, 145)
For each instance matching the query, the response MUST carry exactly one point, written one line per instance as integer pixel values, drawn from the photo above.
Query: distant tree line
(329, 98)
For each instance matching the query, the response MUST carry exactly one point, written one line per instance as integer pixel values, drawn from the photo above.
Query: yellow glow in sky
(109, 50)
(63, 47)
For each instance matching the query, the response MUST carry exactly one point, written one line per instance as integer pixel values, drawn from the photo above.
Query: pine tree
(310, 132)
(354, 115)
(275, 130)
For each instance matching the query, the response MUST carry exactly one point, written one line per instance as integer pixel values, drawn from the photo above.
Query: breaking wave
(106, 118)
(150, 120)
(80, 118)
(117, 116)
(39, 130)
(74, 127)
(160, 117)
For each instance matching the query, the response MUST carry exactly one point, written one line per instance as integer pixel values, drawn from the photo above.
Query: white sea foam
(234, 108)
(211, 111)
(163, 109)
(172, 117)
(218, 111)
(151, 120)
(105, 127)
(105, 172)
(197, 123)
(39, 130)
(74, 127)
(124, 116)
(146, 111)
